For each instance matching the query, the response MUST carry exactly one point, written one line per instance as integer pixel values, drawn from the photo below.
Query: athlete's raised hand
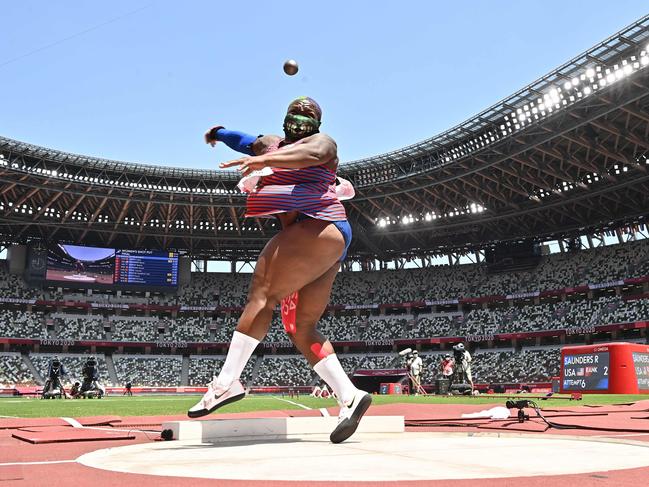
(245, 165)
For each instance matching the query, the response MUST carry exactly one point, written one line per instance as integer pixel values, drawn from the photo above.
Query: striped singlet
(310, 191)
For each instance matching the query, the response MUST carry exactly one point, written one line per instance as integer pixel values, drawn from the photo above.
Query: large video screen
(586, 371)
(74, 264)
(80, 266)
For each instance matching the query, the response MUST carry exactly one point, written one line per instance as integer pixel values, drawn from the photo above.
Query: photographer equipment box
(390, 388)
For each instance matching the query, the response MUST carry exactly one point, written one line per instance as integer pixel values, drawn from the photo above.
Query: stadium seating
(22, 324)
(14, 286)
(130, 330)
(372, 361)
(148, 370)
(379, 329)
(284, 371)
(13, 370)
(79, 327)
(186, 328)
(202, 368)
(339, 328)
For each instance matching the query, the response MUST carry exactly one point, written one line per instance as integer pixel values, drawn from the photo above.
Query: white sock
(241, 348)
(330, 370)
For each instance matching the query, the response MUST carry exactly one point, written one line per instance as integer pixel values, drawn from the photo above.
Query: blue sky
(141, 80)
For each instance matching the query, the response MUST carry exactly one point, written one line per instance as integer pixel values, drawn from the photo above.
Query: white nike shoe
(215, 397)
(350, 415)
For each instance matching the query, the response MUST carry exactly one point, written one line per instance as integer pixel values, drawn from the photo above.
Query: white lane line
(324, 412)
(293, 403)
(123, 430)
(72, 422)
(75, 424)
(51, 462)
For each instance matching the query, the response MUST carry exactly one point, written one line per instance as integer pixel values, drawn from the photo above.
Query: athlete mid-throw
(294, 179)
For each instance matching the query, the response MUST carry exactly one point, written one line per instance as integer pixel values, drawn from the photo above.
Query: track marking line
(123, 430)
(75, 424)
(293, 403)
(51, 462)
(72, 422)
(324, 412)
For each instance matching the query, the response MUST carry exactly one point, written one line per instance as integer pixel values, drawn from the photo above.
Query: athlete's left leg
(312, 302)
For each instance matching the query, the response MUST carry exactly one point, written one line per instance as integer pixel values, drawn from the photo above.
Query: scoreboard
(606, 368)
(586, 371)
(641, 365)
(146, 267)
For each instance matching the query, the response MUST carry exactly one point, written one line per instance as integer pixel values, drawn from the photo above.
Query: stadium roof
(565, 154)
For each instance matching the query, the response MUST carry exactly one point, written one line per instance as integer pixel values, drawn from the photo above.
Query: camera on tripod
(407, 356)
(458, 352)
(53, 387)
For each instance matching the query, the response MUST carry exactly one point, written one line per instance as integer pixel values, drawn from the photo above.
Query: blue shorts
(346, 229)
(342, 225)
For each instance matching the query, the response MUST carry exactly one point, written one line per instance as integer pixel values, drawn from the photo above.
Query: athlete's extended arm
(234, 139)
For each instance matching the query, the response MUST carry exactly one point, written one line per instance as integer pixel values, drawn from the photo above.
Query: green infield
(167, 405)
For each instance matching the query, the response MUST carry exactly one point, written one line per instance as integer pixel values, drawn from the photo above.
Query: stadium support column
(110, 368)
(184, 371)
